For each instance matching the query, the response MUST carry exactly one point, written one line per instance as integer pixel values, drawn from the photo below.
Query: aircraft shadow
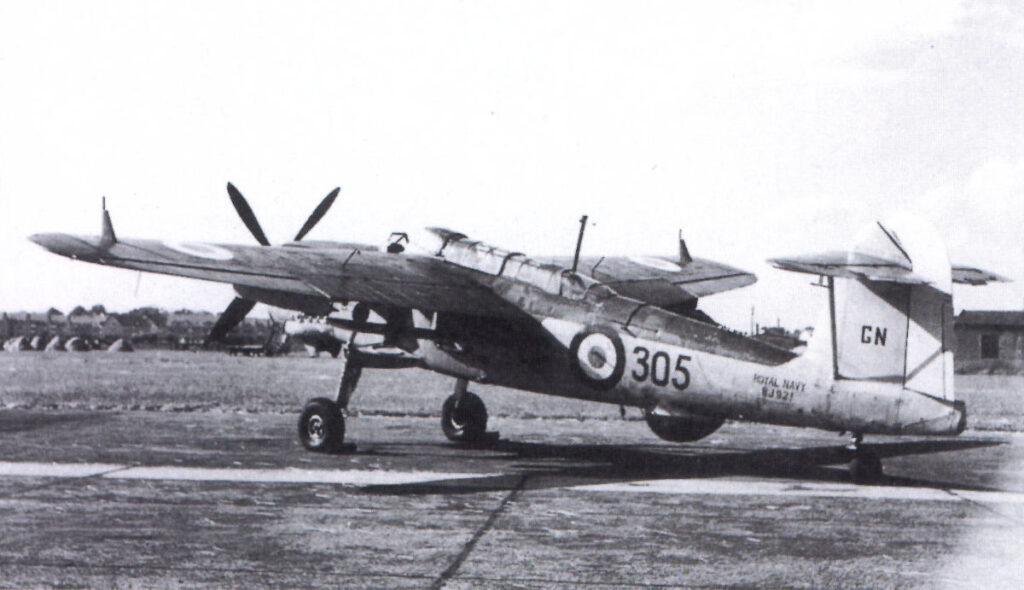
(545, 466)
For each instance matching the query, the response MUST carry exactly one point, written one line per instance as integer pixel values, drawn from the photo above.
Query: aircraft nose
(64, 245)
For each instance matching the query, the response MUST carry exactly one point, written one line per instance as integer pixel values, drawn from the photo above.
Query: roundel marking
(200, 250)
(658, 263)
(596, 356)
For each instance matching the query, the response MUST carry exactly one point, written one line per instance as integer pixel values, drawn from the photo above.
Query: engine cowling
(682, 427)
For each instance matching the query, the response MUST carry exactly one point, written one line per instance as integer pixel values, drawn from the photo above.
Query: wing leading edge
(407, 281)
(661, 281)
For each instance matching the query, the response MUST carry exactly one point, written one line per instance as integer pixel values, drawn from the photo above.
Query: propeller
(241, 306)
(248, 217)
(232, 316)
(317, 214)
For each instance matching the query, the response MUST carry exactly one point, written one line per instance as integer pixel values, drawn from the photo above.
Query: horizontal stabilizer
(873, 268)
(969, 275)
(854, 265)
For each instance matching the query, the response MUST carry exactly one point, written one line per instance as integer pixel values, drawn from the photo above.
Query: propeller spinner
(241, 306)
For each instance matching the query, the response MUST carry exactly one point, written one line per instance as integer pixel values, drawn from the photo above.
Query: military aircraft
(619, 330)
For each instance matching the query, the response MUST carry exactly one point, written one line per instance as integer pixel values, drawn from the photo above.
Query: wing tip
(447, 234)
(972, 275)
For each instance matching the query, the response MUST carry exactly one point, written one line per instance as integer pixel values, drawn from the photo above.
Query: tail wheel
(464, 417)
(321, 426)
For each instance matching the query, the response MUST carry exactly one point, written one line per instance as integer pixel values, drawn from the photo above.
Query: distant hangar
(988, 341)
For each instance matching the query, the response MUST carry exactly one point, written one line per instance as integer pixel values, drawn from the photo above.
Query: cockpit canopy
(552, 278)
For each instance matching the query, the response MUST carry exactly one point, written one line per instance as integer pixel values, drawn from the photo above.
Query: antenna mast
(579, 243)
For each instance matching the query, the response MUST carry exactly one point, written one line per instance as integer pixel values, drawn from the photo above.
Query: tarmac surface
(212, 499)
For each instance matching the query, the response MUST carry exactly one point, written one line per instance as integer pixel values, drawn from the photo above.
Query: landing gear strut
(464, 415)
(866, 466)
(322, 422)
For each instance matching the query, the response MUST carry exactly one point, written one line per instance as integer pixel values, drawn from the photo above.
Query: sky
(759, 129)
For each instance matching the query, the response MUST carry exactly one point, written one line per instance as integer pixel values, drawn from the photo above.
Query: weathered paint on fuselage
(648, 357)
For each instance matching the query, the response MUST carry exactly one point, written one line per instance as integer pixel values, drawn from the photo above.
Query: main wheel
(321, 426)
(465, 419)
(865, 467)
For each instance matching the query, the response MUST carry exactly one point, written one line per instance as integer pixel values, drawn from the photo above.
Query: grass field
(185, 381)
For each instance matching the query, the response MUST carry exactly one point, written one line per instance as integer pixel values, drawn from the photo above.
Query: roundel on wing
(597, 357)
(657, 263)
(200, 250)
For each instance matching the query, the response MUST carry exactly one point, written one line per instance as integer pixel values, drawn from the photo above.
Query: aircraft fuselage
(622, 351)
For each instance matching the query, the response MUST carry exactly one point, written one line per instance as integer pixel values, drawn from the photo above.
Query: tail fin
(896, 325)
(891, 307)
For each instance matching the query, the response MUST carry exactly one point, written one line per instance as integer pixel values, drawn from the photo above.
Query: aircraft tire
(866, 467)
(465, 420)
(321, 426)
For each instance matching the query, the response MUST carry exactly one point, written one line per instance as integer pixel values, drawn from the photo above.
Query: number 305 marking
(658, 368)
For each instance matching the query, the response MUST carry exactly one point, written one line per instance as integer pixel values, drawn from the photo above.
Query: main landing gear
(322, 422)
(866, 466)
(322, 426)
(463, 415)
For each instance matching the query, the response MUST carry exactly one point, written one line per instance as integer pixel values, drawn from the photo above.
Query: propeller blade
(232, 316)
(248, 217)
(318, 213)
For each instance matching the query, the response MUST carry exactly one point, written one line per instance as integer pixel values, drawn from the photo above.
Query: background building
(146, 327)
(990, 341)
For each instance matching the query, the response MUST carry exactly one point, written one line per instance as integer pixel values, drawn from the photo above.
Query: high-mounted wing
(407, 281)
(661, 281)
